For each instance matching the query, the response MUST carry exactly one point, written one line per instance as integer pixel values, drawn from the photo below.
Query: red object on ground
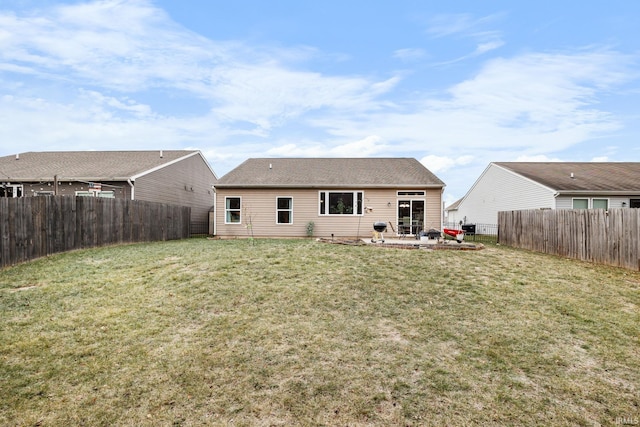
(456, 234)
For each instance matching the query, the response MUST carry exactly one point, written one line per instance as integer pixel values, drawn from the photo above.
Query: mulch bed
(416, 245)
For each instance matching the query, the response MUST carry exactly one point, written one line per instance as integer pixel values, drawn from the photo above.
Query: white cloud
(537, 158)
(122, 45)
(534, 103)
(438, 164)
(124, 104)
(447, 24)
(483, 48)
(368, 146)
(114, 52)
(267, 94)
(409, 54)
(95, 121)
(465, 26)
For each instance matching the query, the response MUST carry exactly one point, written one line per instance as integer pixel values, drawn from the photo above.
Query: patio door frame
(414, 204)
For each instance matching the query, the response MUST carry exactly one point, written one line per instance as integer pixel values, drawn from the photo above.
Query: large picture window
(284, 210)
(341, 202)
(232, 208)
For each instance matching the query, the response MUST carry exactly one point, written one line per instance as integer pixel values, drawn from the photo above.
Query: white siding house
(505, 186)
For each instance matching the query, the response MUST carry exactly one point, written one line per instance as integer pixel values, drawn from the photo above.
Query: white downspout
(132, 188)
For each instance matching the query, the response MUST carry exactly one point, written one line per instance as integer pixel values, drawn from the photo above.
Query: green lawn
(298, 332)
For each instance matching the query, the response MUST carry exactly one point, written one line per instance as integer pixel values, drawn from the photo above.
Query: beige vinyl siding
(185, 183)
(433, 210)
(259, 209)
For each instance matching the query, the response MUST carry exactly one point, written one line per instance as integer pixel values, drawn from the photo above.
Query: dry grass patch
(277, 332)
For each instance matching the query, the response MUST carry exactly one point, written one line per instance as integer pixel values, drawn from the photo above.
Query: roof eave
(68, 178)
(600, 192)
(387, 186)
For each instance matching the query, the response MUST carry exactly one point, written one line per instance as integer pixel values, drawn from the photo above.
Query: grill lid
(379, 226)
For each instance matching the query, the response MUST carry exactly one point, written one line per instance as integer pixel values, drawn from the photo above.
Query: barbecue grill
(378, 228)
(432, 234)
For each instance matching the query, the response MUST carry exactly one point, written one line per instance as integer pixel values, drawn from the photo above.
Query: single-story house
(178, 177)
(324, 197)
(506, 186)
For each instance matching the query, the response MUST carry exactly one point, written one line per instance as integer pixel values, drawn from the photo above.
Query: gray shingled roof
(587, 176)
(330, 172)
(85, 165)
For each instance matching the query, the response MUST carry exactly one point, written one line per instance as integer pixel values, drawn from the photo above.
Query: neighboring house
(340, 197)
(506, 186)
(178, 177)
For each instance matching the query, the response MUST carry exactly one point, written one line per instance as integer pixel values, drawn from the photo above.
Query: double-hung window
(580, 204)
(284, 210)
(341, 202)
(232, 209)
(600, 203)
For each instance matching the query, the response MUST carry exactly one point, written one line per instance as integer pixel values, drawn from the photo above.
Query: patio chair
(404, 227)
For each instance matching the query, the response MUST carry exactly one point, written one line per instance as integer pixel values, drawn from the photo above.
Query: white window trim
(355, 199)
(288, 210)
(227, 210)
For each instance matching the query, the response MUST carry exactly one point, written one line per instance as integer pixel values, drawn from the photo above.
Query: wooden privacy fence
(596, 235)
(32, 227)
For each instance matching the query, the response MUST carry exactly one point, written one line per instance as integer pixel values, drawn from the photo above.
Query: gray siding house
(178, 177)
(505, 186)
(340, 197)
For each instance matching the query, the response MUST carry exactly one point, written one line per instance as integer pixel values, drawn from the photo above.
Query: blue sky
(454, 84)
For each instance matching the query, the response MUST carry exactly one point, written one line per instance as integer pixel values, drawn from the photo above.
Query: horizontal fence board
(595, 235)
(32, 227)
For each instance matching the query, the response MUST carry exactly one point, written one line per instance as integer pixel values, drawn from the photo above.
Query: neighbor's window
(284, 210)
(232, 206)
(103, 194)
(600, 203)
(11, 190)
(341, 203)
(580, 203)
